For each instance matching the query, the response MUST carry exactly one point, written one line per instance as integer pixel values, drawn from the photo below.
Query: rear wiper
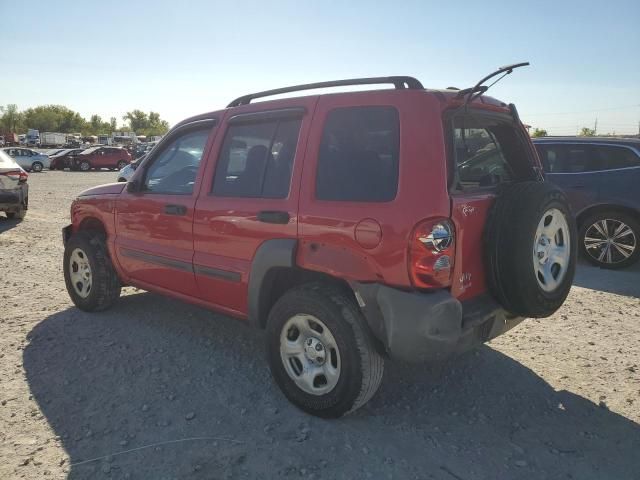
(479, 88)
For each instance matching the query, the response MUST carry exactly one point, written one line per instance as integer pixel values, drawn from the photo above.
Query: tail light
(19, 175)
(431, 254)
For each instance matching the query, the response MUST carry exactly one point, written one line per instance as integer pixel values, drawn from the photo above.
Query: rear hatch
(11, 175)
(486, 149)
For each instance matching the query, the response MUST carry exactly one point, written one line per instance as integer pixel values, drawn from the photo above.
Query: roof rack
(400, 83)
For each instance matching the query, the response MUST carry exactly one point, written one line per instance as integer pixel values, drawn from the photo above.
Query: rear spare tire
(531, 248)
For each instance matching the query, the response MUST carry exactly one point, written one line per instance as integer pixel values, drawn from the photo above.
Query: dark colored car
(347, 225)
(14, 190)
(601, 178)
(64, 159)
(113, 158)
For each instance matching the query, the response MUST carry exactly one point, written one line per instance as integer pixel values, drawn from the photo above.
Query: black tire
(19, 215)
(105, 284)
(510, 239)
(36, 167)
(121, 164)
(613, 219)
(361, 366)
(84, 166)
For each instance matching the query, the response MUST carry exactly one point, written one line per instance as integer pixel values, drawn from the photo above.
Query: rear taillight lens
(19, 175)
(431, 253)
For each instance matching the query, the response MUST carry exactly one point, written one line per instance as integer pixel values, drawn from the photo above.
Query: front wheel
(37, 167)
(121, 165)
(85, 166)
(320, 352)
(90, 278)
(610, 239)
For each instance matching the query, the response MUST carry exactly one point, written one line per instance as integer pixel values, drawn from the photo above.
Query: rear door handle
(175, 209)
(274, 216)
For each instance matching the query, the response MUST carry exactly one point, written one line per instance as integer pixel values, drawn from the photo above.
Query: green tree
(11, 119)
(113, 123)
(143, 124)
(53, 118)
(587, 132)
(539, 132)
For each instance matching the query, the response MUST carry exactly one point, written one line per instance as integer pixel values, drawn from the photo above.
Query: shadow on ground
(622, 282)
(7, 223)
(153, 370)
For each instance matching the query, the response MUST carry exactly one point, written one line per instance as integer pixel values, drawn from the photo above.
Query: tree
(538, 132)
(53, 118)
(144, 124)
(113, 123)
(587, 132)
(11, 118)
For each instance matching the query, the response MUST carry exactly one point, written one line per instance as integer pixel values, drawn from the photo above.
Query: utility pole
(595, 127)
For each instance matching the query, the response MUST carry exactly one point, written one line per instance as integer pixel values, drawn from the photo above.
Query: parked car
(102, 157)
(28, 159)
(14, 190)
(127, 172)
(342, 224)
(65, 158)
(601, 178)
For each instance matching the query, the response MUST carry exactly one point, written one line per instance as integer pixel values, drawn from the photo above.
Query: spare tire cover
(530, 248)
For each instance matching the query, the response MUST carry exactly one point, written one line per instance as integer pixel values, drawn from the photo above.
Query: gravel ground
(155, 388)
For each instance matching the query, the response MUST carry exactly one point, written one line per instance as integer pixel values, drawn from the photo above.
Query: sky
(181, 58)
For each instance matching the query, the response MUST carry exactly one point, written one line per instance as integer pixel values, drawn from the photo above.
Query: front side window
(256, 159)
(568, 158)
(359, 155)
(174, 169)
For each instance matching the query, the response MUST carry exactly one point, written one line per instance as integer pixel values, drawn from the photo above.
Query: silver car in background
(14, 191)
(28, 159)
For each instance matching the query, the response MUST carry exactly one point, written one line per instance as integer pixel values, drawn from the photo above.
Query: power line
(583, 111)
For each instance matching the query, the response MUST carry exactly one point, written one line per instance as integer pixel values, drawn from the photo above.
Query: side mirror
(133, 186)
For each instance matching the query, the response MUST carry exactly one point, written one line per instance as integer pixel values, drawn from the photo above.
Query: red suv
(406, 223)
(114, 158)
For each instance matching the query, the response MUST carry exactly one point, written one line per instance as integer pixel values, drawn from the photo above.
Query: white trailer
(53, 139)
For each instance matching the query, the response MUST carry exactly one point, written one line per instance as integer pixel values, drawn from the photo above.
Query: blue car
(601, 177)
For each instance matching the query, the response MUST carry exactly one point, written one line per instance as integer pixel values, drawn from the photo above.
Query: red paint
(107, 157)
(350, 240)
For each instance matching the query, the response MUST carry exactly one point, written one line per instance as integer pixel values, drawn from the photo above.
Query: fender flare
(274, 253)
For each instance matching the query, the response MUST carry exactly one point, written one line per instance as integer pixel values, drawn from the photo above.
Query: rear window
(488, 151)
(359, 155)
(568, 158)
(6, 161)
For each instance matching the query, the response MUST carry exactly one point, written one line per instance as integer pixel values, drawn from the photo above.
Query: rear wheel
(121, 164)
(320, 352)
(36, 167)
(610, 239)
(91, 280)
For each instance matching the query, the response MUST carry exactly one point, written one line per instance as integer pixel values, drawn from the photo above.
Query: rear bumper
(424, 327)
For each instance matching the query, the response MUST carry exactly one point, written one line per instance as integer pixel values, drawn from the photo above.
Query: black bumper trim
(423, 327)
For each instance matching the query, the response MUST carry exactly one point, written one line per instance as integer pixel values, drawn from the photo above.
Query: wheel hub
(315, 350)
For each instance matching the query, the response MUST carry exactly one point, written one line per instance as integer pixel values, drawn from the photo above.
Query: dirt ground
(156, 389)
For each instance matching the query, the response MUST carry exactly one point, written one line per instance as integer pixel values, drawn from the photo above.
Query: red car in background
(102, 157)
(64, 159)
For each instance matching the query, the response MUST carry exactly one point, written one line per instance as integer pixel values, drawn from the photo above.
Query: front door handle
(274, 216)
(175, 209)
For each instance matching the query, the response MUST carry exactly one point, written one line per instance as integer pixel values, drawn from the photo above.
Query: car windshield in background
(90, 150)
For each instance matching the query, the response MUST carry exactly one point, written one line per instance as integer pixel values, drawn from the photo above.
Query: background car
(14, 190)
(64, 159)
(127, 172)
(102, 157)
(28, 159)
(601, 177)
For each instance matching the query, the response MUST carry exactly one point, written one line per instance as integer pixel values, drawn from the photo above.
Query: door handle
(175, 209)
(274, 216)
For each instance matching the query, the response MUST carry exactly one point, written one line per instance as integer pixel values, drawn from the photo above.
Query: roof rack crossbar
(400, 82)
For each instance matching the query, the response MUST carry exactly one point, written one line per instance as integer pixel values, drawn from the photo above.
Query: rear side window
(568, 158)
(359, 155)
(617, 157)
(256, 159)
